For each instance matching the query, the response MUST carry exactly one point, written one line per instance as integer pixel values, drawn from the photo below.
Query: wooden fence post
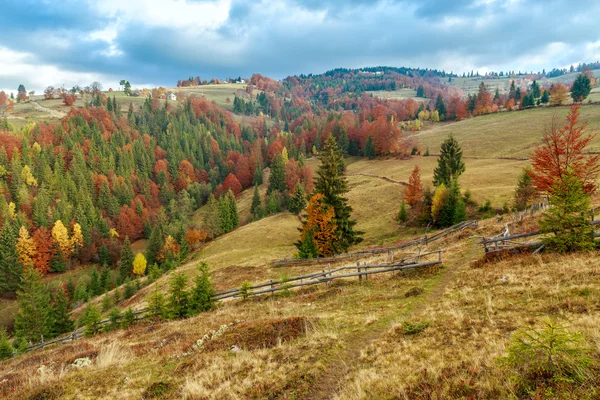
(359, 275)
(272, 291)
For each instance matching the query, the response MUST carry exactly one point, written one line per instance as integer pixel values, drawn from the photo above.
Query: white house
(172, 96)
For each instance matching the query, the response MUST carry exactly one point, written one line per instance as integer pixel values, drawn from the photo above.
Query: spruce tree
(277, 176)
(94, 287)
(450, 164)
(298, 200)
(256, 207)
(440, 106)
(33, 320)
(581, 88)
(6, 349)
(61, 322)
(307, 247)
(330, 182)
(10, 267)
(200, 299)
(369, 150)
(155, 244)
(178, 297)
(212, 217)
(126, 261)
(104, 256)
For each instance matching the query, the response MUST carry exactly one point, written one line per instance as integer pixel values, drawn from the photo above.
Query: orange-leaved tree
(413, 194)
(562, 150)
(45, 249)
(319, 230)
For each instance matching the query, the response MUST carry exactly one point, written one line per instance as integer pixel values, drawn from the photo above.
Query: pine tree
(6, 349)
(61, 322)
(212, 217)
(10, 267)
(450, 164)
(158, 305)
(94, 287)
(581, 88)
(201, 295)
(178, 297)
(90, 319)
(331, 182)
(256, 207)
(155, 244)
(126, 261)
(277, 176)
(566, 220)
(228, 214)
(105, 279)
(298, 200)
(440, 106)
(369, 150)
(104, 256)
(33, 320)
(525, 190)
(545, 97)
(403, 214)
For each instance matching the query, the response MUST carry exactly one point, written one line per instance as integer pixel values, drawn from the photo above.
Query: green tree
(566, 220)
(330, 182)
(545, 97)
(6, 349)
(440, 106)
(126, 261)
(450, 164)
(157, 305)
(10, 267)
(308, 247)
(228, 214)
(298, 200)
(201, 296)
(581, 88)
(525, 190)
(277, 176)
(256, 208)
(212, 217)
(535, 89)
(403, 214)
(155, 244)
(369, 150)
(61, 322)
(104, 256)
(178, 297)
(33, 320)
(94, 287)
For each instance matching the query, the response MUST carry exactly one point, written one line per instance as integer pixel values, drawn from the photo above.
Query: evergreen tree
(10, 267)
(450, 164)
(403, 214)
(201, 295)
(308, 248)
(158, 305)
(90, 319)
(440, 106)
(94, 287)
(258, 175)
(330, 182)
(155, 244)
(581, 88)
(6, 349)
(228, 212)
(369, 150)
(212, 217)
(126, 261)
(525, 190)
(298, 200)
(566, 219)
(104, 256)
(61, 322)
(545, 97)
(33, 320)
(535, 89)
(178, 297)
(256, 207)
(277, 176)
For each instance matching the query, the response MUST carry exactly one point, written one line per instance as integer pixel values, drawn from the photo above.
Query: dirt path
(342, 364)
(385, 178)
(53, 113)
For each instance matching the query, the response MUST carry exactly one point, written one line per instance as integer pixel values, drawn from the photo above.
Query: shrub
(244, 292)
(412, 328)
(158, 305)
(6, 349)
(114, 316)
(547, 356)
(129, 290)
(128, 318)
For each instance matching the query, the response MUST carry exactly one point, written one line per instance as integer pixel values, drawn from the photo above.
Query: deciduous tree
(413, 193)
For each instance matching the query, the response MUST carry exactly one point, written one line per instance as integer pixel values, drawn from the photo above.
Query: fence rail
(325, 276)
(423, 240)
(503, 243)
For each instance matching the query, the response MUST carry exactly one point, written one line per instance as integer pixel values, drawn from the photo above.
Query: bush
(412, 328)
(129, 289)
(547, 356)
(244, 292)
(114, 316)
(128, 318)
(6, 349)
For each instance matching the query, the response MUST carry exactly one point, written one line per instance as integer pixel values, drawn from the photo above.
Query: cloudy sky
(156, 42)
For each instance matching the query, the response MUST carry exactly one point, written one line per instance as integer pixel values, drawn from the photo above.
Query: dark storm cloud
(303, 36)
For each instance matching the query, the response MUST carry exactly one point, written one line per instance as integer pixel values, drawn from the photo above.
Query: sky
(156, 42)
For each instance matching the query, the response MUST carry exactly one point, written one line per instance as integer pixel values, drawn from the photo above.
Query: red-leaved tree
(413, 194)
(562, 149)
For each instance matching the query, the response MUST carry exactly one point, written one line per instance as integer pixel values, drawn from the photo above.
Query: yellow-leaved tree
(61, 236)
(28, 177)
(25, 247)
(77, 237)
(139, 264)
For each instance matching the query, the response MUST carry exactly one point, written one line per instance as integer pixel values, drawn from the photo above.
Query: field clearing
(507, 134)
(399, 94)
(217, 93)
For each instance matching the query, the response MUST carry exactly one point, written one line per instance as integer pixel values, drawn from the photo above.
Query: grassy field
(508, 134)
(400, 94)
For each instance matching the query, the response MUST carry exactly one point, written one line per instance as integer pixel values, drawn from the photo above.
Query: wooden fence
(325, 276)
(420, 241)
(512, 242)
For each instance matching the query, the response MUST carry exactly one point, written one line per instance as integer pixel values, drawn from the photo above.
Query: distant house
(172, 96)
(241, 81)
